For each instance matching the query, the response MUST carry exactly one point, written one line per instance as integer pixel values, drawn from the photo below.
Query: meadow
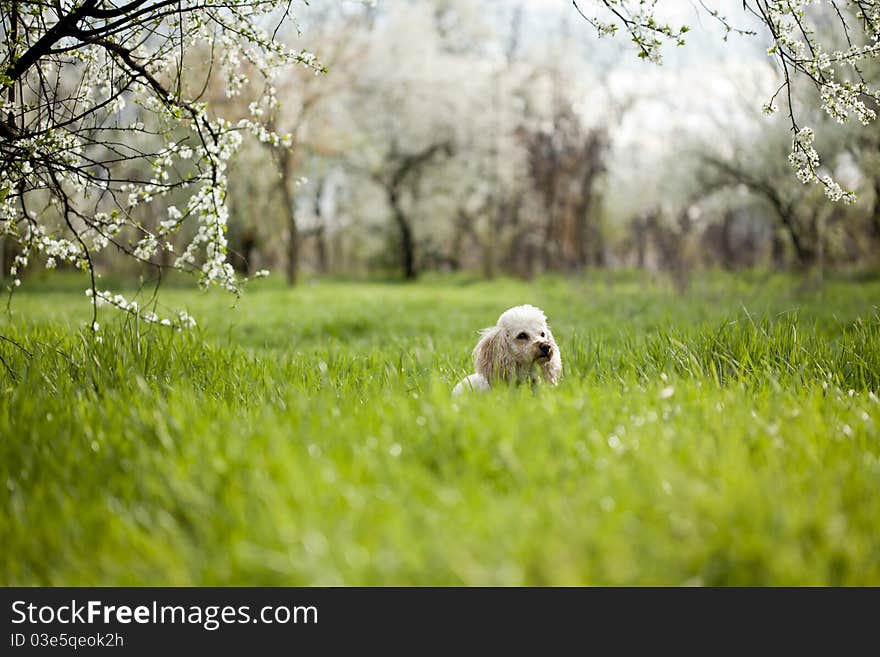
(307, 436)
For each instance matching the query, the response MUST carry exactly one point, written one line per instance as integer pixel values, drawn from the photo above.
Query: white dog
(512, 350)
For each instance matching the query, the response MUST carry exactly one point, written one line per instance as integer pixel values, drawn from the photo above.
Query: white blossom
(192, 143)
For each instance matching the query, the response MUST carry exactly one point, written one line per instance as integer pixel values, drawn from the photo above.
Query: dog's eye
(523, 336)
(542, 334)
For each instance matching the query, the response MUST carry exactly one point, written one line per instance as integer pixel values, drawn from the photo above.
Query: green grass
(724, 437)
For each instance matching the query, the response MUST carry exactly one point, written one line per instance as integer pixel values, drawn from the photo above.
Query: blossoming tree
(820, 42)
(94, 93)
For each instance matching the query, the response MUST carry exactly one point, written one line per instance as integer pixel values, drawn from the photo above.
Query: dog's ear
(552, 369)
(492, 357)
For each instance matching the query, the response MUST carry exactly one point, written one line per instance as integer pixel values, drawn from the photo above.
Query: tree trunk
(511, 261)
(640, 237)
(587, 234)
(802, 251)
(292, 248)
(407, 246)
(320, 232)
(548, 251)
(462, 228)
(496, 220)
(728, 252)
(778, 250)
(875, 218)
(289, 203)
(321, 249)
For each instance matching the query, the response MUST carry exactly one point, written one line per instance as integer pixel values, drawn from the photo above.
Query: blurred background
(505, 137)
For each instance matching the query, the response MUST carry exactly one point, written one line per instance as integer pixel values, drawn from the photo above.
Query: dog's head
(519, 341)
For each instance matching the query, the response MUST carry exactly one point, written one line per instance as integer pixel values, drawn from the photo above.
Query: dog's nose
(545, 349)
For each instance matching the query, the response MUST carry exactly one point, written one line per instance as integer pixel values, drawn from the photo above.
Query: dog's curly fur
(520, 347)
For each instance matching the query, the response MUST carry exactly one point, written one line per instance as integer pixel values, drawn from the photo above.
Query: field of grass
(724, 437)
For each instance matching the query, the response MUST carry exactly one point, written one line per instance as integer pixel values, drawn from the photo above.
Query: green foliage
(309, 437)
